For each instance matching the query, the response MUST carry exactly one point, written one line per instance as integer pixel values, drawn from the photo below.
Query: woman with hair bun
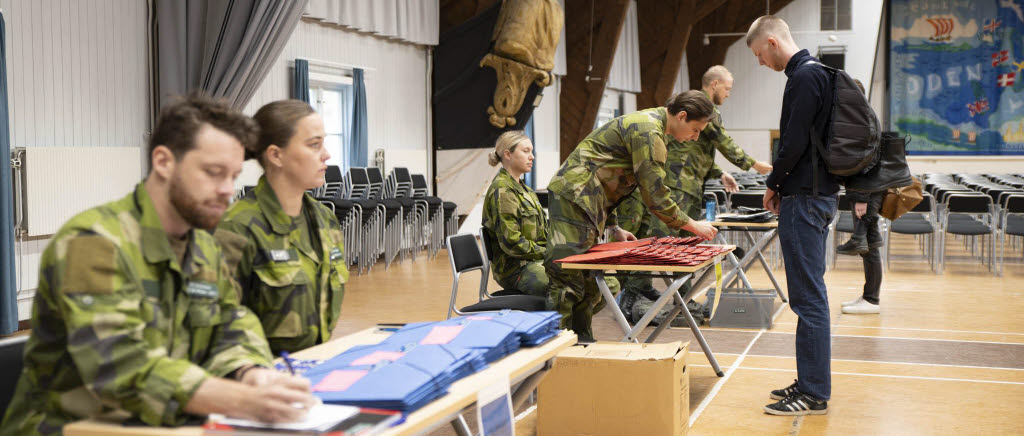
(514, 221)
(283, 246)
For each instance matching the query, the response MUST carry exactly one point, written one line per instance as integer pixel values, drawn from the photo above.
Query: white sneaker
(863, 307)
(852, 302)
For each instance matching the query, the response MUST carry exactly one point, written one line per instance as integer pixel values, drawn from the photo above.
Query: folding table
(678, 276)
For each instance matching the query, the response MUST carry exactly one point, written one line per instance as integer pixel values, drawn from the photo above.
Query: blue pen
(288, 362)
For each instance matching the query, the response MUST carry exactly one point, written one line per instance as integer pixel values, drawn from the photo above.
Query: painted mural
(955, 71)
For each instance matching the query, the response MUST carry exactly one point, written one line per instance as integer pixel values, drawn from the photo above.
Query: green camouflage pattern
(120, 329)
(516, 228)
(293, 280)
(690, 163)
(626, 153)
(693, 162)
(571, 293)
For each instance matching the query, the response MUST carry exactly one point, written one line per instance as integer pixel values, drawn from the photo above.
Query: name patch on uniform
(202, 289)
(335, 253)
(280, 255)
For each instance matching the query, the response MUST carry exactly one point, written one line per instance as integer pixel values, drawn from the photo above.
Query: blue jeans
(803, 229)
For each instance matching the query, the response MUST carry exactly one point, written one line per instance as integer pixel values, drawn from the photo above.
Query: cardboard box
(616, 389)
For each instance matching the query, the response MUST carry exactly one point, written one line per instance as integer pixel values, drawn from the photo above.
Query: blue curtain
(531, 177)
(359, 146)
(8, 286)
(300, 84)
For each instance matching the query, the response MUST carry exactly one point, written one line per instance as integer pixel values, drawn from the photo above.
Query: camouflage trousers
(641, 288)
(572, 293)
(531, 279)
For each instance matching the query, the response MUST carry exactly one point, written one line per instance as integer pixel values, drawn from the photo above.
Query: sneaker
(852, 302)
(862, 307)
(788, 391)
(798, 404)
(853, 247)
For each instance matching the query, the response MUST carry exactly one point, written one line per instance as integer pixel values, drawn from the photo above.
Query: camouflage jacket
(626, 153)
(292, 280)
(690, 163)
(121, 329)
(514, 218)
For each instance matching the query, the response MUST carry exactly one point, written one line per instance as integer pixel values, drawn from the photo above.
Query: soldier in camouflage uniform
(514, 221)
(136, 314)
(691, 163)
(625, 154)
(290, 264)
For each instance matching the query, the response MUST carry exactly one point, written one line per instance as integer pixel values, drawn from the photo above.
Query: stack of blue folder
(416, 364)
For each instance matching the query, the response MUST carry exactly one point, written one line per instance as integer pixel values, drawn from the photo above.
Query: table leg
(672, 315)
(460, 426)
(609, 300)
(764, 263)
(672, 291)
(735, 263)
(697, 333)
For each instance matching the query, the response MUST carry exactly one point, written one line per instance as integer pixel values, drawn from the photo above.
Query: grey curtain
(8, 284)
(359, 151)
(222, 47)
(300, 81)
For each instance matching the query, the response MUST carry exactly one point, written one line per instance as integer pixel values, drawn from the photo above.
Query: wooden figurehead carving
(525, 38)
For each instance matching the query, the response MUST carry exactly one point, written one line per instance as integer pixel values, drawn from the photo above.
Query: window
(833, 56)
(836, 15)
(332, 99)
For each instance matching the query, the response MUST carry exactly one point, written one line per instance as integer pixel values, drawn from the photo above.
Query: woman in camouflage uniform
(514, 221)
(283, 246)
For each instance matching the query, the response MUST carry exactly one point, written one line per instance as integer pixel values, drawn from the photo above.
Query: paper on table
(339, 380)
(321, 417)
(441, 335)
(377, 357)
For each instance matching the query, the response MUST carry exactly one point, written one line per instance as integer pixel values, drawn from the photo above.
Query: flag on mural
(954, 67)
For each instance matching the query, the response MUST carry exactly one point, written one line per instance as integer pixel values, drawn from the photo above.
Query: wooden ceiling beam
(661, 51)
(735, 16)
(591, 37)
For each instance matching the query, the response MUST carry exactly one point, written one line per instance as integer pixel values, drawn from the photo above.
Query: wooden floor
(945, 356)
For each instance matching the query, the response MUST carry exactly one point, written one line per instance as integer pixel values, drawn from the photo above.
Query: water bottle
(709, 210)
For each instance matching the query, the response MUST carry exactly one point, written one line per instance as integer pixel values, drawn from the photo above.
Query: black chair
(543, 197)
(464, 255)
(485, 238)
(966, 206)
(919, 221)
(12, 353)
(435, 214)
(1012, 222)
(746, 199)
(334, 183)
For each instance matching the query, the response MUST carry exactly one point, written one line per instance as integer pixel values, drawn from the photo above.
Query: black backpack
(854, 134)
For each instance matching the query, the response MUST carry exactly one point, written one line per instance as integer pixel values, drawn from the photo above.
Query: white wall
(756, 102)
(76, 77)
(397, 91)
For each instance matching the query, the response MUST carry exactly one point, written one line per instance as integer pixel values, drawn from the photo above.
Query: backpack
(854, 134)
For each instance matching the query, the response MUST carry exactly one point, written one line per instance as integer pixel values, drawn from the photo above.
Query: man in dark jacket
(804, 215)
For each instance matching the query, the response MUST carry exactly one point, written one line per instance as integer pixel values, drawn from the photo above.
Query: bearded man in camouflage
(136, 314)
(627, 153)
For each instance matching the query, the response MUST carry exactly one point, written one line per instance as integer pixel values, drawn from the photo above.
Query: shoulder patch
(90, 265)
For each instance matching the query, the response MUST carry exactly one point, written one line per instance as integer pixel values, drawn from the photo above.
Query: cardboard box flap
(627, 351)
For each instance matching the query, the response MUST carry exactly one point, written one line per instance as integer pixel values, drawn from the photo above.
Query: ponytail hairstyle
(506, 142)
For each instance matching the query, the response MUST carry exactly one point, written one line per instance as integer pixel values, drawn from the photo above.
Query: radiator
(53, 184)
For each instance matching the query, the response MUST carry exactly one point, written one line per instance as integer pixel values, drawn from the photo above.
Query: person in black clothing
(804, 215)
(866, 241)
